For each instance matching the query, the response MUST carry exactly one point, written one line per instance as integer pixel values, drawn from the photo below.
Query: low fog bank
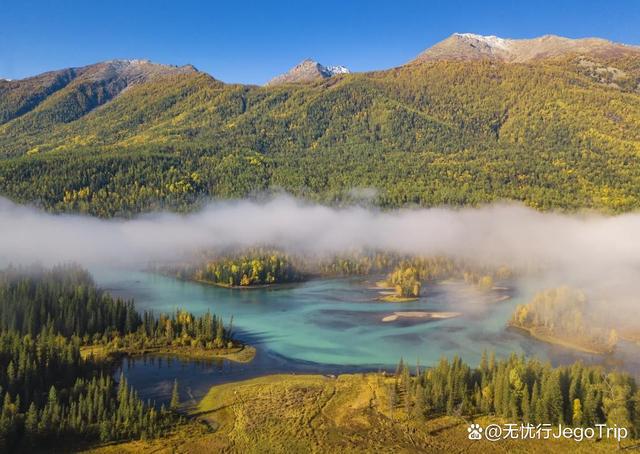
(581, 248)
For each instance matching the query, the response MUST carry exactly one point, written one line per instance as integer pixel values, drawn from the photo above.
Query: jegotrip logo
(508, 431)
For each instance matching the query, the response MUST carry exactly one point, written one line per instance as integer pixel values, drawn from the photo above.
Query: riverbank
(398, 299)
(274, 286)
(550, 338)
(238, 354)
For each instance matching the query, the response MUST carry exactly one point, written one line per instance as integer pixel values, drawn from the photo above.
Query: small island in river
(260, 268)
(421, 314)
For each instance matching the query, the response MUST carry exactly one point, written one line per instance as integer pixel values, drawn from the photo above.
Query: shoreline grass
(350, 413)
(556, 340)
(239, 354)
(398, 299)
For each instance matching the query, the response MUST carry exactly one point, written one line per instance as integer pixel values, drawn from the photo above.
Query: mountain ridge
(72, 92)
(120, 138)
(457, 47)
(470, 46)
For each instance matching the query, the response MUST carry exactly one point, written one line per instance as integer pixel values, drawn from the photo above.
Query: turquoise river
(330, 326)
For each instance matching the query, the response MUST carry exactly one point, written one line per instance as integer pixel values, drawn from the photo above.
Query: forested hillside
(561, 132)
(50, 392)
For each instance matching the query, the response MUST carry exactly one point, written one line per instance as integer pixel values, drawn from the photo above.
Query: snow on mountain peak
(337, 69)
(491, 40)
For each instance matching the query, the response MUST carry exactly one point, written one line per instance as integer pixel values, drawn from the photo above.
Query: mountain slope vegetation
(556, 133)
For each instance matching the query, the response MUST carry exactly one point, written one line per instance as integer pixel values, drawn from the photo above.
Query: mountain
(65, 95)
(308, 71)
(560, 130)
(468, 46)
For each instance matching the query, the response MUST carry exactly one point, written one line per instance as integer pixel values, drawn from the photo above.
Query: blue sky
(250, 42)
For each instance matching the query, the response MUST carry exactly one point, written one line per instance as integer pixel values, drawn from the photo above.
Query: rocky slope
(469, 46)
(308, 71)
(67, 94)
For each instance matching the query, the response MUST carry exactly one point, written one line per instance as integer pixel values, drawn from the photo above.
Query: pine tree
(31, 420)
(513, 407)
(506, 394)
(576, 419)
(526, 405)
(487, 399)
(537, 405)
(484, 362)
(552, 398)
(393, 397)
(617, 401)
(498, 393)
(590, 407)
(419, 407)
(105, 431)
(219, 340)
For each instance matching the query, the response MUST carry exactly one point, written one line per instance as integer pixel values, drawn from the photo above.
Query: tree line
(519, 389)
(50, 392)
(64, 300)
(256, 267)
(564, 313)
(48, 389)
